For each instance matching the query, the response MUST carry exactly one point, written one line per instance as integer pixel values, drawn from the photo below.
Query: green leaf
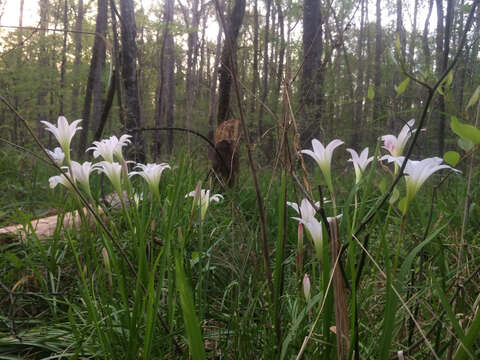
(465, 131)
(382, 186)
(465, 145)
(473, 100)
(394, 197)
(451, 158)
(402, 86)
(371, 92)
(402, 205)
(192, 325)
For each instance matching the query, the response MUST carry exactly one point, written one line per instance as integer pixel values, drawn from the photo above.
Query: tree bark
(166, 85)
(255, 79)
(64, 58)
(93, 88)
(129, 75)
(359, 91)
(378, 57)
(213, 84)
(312, 77)
(234, 23)
(77, 36)
(426, 47)
(43, 61)
(444, 64)
(227, 165)
(263, 98)
(192, 23)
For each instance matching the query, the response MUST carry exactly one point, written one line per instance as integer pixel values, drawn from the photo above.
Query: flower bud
(306, 287)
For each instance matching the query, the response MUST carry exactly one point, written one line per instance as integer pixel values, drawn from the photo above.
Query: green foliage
(465, 131)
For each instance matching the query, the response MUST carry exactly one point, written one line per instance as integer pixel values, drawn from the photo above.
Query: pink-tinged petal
(306, 287)
(389, 143)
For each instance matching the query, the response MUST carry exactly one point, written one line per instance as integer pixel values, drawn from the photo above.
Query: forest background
(343, 60)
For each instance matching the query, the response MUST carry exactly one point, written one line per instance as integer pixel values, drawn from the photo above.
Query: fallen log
(46, 227)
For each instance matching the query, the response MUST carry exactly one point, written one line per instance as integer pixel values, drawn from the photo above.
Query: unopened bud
(306, 287)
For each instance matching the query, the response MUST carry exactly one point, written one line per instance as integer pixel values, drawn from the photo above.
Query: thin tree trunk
(94, 75)
(378, 57)
(43, 61)
(234, 23)
(213, 84)
(78, 58)
(16, 132)
(255, 79)
(129, 75)
(263, 98)
(359, 91)
(192, 44)
(426, 47)
(117, 64)
(227, 167)
(64, 58)
(312, 77)
(444, 65)
(166, 83)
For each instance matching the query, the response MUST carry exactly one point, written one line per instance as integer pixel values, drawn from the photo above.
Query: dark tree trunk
(426, 48)
(359, 91)
(227, 165)
(94, 75)
(16, 132)
(444, 64)
(213, 84)
(255, 79)
(129, 75)
(78, 58)
(43, 60)
(166, 85)
(378, 58)
(117, 63)
(192, 45)
(234, 23)
(312, 77)
(64, 58)
(263, 98)
(281, 52)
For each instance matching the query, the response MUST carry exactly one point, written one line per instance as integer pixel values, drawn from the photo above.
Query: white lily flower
(360, 162)
(108, 148)
(81, 173)
(151, 173)
(57, 155)
(120, 143)
(306, 287)
(395, 145)
(204, 200)
(417, 172)
(323, 156)
(306, 210)
(113, 171)
(59, 179)
(64, 133)
(314, 228)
